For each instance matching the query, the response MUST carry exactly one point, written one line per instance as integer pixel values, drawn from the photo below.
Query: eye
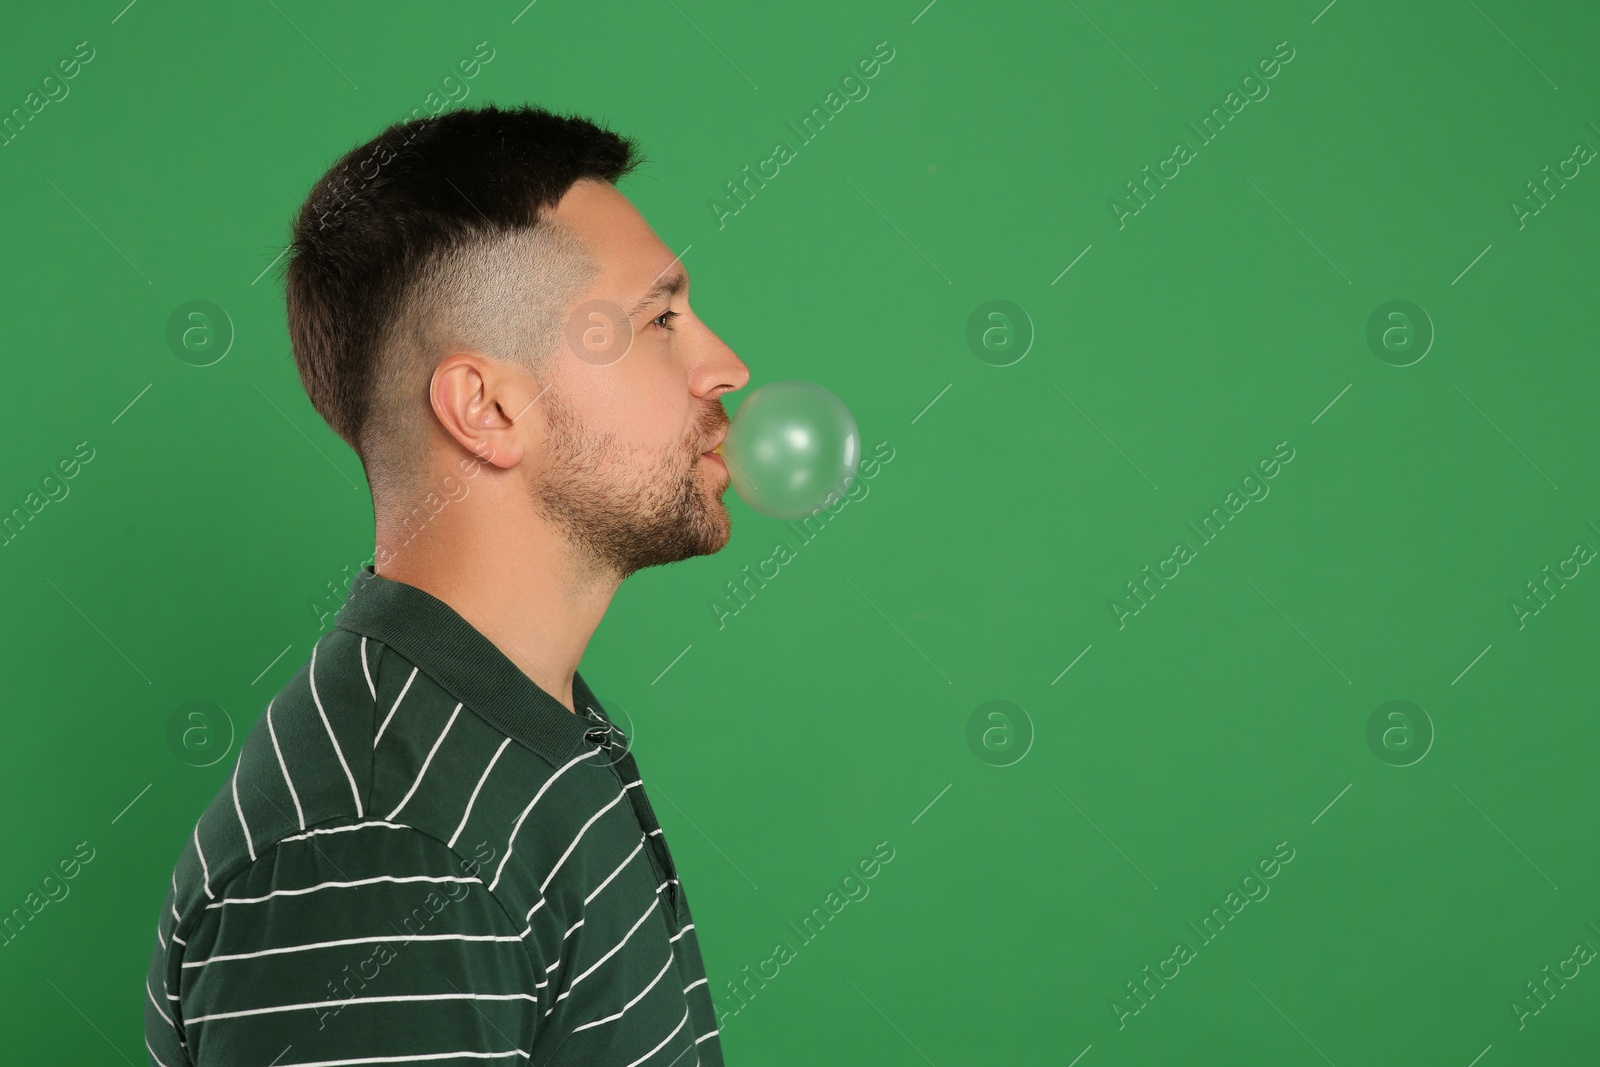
(668, 316)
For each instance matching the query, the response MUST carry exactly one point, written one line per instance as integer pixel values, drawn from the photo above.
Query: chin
(723, 525)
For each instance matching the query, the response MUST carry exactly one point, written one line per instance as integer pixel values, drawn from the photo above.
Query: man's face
(625, 474)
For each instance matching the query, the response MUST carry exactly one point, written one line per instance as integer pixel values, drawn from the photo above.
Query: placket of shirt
(626, 770)
(655, 839)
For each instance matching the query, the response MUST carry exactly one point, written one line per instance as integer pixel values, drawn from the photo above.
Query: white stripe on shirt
(205, 873)
(410, 792)
(474, 798)
(240, 809)
(635, 1000)
(330, 1003)
(548, 782)
(370, 687)
(342, 829)
(151, 994)
(385, 725)
(311, 677)
(636, 850)
(408, 1059)
(344, 885)
(300, 815)
(350, 941)
(614, 950)
(549, 877)
(664, 1040)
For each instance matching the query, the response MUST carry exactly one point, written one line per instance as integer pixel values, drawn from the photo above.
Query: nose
(720, 370)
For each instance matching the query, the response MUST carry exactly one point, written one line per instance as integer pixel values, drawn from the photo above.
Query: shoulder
(371, 865)
(363, 759)
(306, 932)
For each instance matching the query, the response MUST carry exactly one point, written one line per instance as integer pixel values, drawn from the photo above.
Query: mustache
(712, 426)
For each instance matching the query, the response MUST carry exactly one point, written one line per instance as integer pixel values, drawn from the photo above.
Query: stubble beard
(624, 510)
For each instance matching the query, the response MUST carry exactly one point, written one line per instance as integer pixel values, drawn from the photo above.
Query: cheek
(644, 408)
(659, 401)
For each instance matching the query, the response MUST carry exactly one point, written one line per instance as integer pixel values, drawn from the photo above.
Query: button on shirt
(420, 856)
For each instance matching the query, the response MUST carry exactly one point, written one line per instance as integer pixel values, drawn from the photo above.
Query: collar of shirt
(434, 637)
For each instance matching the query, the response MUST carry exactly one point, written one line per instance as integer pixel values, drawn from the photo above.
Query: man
(434, 846)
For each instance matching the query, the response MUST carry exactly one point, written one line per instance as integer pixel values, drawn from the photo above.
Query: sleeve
(364, 943)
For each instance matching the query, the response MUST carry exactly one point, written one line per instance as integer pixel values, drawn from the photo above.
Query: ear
(477, 403)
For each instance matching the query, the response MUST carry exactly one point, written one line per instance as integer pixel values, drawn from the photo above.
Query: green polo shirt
(422, 857)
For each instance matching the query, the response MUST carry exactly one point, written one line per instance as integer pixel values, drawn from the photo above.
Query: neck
(513, 578)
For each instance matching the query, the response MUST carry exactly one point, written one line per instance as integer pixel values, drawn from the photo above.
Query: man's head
(447, 282)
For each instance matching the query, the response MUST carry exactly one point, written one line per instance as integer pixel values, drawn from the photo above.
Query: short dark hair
(428, 236)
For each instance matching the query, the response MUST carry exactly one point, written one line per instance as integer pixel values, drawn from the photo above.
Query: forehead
(628, 251)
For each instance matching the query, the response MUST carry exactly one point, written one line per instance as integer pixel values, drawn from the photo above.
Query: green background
(833, 711)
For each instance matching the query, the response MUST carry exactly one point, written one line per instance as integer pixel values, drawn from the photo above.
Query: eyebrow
(670, 285)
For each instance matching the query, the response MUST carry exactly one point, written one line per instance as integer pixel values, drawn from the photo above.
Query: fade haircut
(432, 238)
